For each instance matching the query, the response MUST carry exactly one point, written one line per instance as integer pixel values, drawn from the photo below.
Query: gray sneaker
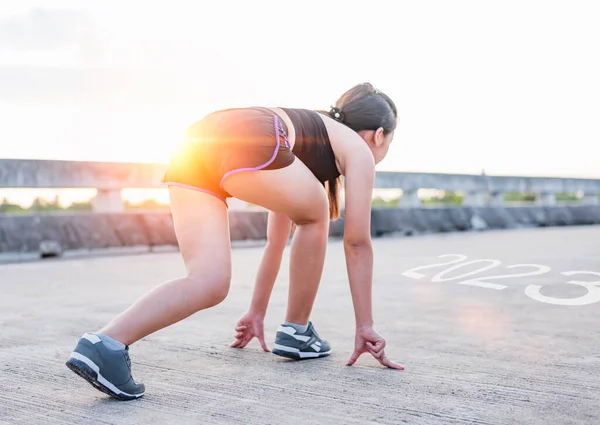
(107, 370)
(295, 345)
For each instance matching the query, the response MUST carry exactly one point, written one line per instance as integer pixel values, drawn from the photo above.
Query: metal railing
(109, 179)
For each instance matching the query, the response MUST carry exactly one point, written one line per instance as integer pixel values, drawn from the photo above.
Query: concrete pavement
(479, 347)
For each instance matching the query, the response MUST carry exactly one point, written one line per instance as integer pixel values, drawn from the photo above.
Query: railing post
(590, 198)
(409, 198)
(545, 198)
(108, 201)
(474, 199)
(497, 199)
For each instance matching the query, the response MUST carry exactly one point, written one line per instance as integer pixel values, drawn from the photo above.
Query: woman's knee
(211, 287)
(317, 213)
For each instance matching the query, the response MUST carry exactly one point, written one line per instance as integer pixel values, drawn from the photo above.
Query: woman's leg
(202, 230)
(293, 191)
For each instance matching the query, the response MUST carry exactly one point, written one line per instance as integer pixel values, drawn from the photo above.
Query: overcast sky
(511, 87)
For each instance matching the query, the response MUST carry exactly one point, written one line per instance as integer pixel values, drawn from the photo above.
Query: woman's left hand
(248, 327)
(367, 340)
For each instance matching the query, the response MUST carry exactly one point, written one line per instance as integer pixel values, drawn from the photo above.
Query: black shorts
(227, 142)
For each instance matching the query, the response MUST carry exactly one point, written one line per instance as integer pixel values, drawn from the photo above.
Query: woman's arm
(278, 233)
(359, 181)
(250, 324)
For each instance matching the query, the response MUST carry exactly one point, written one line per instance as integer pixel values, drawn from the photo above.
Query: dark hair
(361, 108)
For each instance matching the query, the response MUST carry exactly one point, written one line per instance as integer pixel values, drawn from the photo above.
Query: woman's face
(378, 142)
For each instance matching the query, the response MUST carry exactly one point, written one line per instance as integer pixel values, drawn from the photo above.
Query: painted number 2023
(532, 291)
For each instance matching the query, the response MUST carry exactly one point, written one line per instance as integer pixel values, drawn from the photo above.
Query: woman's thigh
(202, 228)
(293, 191)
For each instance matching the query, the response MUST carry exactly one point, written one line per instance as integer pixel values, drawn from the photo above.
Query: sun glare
(147, 137)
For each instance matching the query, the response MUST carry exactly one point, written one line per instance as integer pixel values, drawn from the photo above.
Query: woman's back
(312, 144)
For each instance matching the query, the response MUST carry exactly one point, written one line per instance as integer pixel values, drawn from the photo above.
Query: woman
(288, 161)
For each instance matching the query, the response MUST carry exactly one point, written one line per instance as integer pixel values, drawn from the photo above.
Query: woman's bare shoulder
(346, 143)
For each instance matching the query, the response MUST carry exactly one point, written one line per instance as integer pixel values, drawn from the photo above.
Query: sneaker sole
(297, 355)
(96, 379)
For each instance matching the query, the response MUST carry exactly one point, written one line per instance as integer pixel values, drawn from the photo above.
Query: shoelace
(127, 358)
(314, 331)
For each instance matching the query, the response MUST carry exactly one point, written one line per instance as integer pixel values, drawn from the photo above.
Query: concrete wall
(409, 221)
(25, 233)
(94, 231)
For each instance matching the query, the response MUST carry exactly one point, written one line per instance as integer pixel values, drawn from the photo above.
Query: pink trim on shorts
(198, 189)
(276, 122)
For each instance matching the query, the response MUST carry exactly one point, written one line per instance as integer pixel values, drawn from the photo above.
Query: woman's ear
(379, 137)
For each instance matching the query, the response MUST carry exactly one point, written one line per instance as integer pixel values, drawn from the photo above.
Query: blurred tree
(7, 208)
(148, 204)
(519, 197)
(567, 197)
(379, 202)
(448, 198)
(85, 206)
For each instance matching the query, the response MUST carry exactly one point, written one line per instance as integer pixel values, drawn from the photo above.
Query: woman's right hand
(367, 340)
(248, 327)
